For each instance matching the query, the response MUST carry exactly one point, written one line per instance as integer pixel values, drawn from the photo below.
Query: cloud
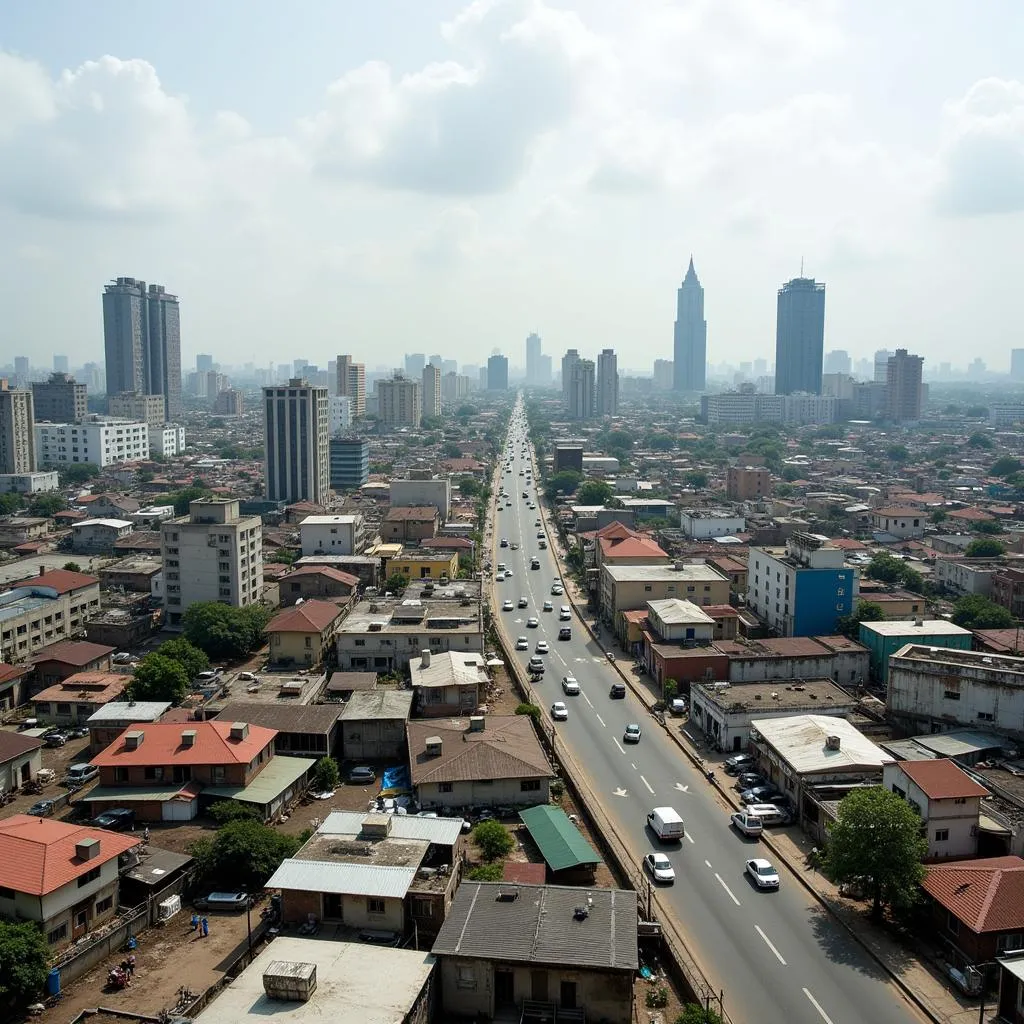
(981, 158)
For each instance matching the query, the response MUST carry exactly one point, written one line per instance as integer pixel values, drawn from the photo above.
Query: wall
(297, 648)
(882, 647)
(373, 739)
(821, 597)
(481, 794)
(961, 820)
(390, 649)
(88, 954)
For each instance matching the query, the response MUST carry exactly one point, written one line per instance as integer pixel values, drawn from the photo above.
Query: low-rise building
(21, 757)
(897, 521)
(58, 661)
(410, 523)
(421, 490)
(674, 620)
(13, 685)
(167, 440)
(703, 524)
(107, 723)
(73, 701)
(734, 570)
(316, 582)
(30, 483)
(332, 535)
(304, 634)
(628, 587)
(448, 685)
(92, 536)
(884, 639)
(302, 730)
(966, 575)
(795, 657)
(15, 530)
(747, 483)
(1008, 591)
(103, 443)
(423, 564)
(373, 723)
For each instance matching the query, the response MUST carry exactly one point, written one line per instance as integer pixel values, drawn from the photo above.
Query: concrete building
(351, 384)
(332, 535)
(410, 524)
(497, 373)
(567, 456)
(905, 523)
(629, 587)
(131, 405)
(704, 524)
(304, 634)
(103, 443)
(966, 575)
(747, 483)
(932, 689)
(212, 554)
(803, 590)
(421, 489)
(167, 440)
(296, 422)
(664, 370)
(339, 415)
(60, 399)
(538, 366)
(349, 462)
(454, 388)
(881, 366)
(448, 685)
(581, 389)
(17, 431)
(569, 360)
(96, 536)
(29, 483)
(1005, 414)
(800, 337)
(228, 402)
(884, 639)
(607, 387)
(400, 402)
(677, 621)
(1007, 590)
(690, 341)
(142, 341)
(431, 390)
(745, 407)
(903, 387)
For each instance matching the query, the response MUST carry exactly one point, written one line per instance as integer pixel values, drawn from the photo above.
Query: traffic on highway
(753, 928)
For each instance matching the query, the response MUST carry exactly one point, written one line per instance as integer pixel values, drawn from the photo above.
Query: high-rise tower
(533, 359)
(296, 459)
(690, 350)
(799, 337)
(607, 390)
(903, 386)
(352, 384)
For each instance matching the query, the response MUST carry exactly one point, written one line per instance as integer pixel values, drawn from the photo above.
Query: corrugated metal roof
(540, 925)
(801, 741)
(444, 831)
(560, 842)
(350, 879)
(277, 776)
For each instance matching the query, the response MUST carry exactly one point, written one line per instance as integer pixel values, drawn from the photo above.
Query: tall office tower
(881, 364)
(581, 390)
(299, 367)
(482, 375)
(436, 360)
(204, 363)
(414, 363)
(94, 378)
(60, 399)
(690, 348)
(432, 389)
(663, 375)
(1017, 364)
(449, 366)
(352, 384)
(760, 367)
(799, 337)
(606, 401)
(454, 387)
(400, 401)
(903, 387)
(497, 373)
(21, 369)
(296, 420)
(142, 341)
(837, 361)
(60, 364)
(212, 554)
(350, 462)
(569, 360)
(17, 431)
(533, 354)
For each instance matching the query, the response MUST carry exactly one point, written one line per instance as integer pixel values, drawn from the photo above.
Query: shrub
(656, 998)
(494, 839)
(529, 709)
(224, 811)
(493, 872)
(326, 775)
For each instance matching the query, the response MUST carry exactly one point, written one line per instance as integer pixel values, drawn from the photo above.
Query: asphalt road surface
(779, 957)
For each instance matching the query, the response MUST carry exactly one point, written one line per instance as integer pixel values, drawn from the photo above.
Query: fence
(76, 960)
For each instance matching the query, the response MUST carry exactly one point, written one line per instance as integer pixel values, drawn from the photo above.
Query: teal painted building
(884, 639)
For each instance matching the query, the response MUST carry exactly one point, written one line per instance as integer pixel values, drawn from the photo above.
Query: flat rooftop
(689, 572)
(810, 694)
(980, 661)
(928, 627)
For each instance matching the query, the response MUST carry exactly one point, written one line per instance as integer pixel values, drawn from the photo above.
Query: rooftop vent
(507, 895)
(477, 723)
(832, 742)
(434, 745)
(133, 739)
(424, 659)
(239, 730)
(87, 849)
(289, 980)
(188, 738)
(377, 826)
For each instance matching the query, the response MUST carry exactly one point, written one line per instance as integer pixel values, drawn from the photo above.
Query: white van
(768, 813)
(666, 824)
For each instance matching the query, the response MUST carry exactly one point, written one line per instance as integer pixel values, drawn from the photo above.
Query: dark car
(361, 775)
(739, 763)
(42, 809)
(565, 633)
(117, 819)
(761, 795)
(618, 691)
(55, 739)
(749, 780)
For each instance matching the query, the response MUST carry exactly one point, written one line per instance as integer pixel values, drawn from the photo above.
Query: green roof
(269, 784)
(560, 842)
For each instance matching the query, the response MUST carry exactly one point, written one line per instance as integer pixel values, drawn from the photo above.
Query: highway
(778, 955)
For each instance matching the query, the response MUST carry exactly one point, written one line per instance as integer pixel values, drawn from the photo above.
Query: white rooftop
(328, 520)
(688, 572)
(381, 880)
(928, 627)
(800, 741)
(117, 524)
(674, 611)
(129, 711)
(450, 668)
(443, 831)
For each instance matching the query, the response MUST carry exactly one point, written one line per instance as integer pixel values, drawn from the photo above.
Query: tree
(10, 502)
(1006, 466)
(181, 499)
(159, 678)
(71, 567)
(224, 811)
(452, 450)
(876, 841)
(46, 505)
(938, 516)
(24, 964)
(866, 611)
(493, 872)
(979, 440)
(885, 568)
(898, 453)
(396, 583)
(565, 480)
(190, 657)
(326, 776)
(223, 631)
(528, 709)
(972, 611)
(594, 492)
(984, 547)
(696, 478)
(79, 473)
(243, 854)
(987, 526)
(469, 487)
(694, 1013)
(495, 841)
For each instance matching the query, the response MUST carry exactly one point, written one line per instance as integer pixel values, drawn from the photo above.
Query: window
(63, 709)
(89, 876)
(102, 906)
(444, 787)
(360, 643)
(901, 793)
(647, 588)
(465, 978)
(960, 800)
(422, 907)
(952, 695)
(58, 934)
(5, 893)
(942, 835)
(120, 774)
(374, 906)
(529, 786)
(985, 716)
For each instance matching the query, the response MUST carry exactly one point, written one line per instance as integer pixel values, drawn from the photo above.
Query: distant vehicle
(660, 868)
(507, 606)
(763, 873)
(55, 739)
(771, 814)
(540, 535)
(43, 809)
(739, 762)
(508, 574)
(542, 647)
(666, 824)
(515, 547)
(523, 603)
(559, 712)
(522, 644)
(557, 589)
(81, 773)
(564, 613)
(362, 775)
(532, 622)
(618, 691)
(748, 780)
(499, 576)
(748, 824)
(77, 732)
(248, 677)
(116, 819)
(504, 542)
(536, 522)
(632, 733)
(542, 544)
(677, 706)
(565, 633)
(223, 901)
(121, 658)
(570, 686)
(761, 794)
(548, 606)
(534, 563)
(208, 674)
(537, 665)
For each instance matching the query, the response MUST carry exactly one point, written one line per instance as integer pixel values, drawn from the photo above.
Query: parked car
(116, 819)
(677, 706)
(748, 780)
(632, 733)
(43, 809)
(55, 739)
(766, 794)
(738, 763)
(224, 901)
(749, 824)
(559, 712)
(248, 677)
(77, 732)
(763, 873)
(78, 774)
(362, 775)
(659, 867)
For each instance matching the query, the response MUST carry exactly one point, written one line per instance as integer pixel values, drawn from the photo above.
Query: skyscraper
(581, 390)
(533, 355)
(497, 373)
(204, 363)
(690, 349)
(799, 337)
(569, 360)
(663, 375)
(432, 389)
(296, 459)
(60, 364)
(59, 400)
(352, 384)
(414, 363)
(142, 341)
(17, 431)
(881, 365)
(1017, 364)
(400, 401)
(607, 396)
(837, 361)
(903, 387)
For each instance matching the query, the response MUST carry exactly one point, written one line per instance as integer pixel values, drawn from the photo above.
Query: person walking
(206, 927)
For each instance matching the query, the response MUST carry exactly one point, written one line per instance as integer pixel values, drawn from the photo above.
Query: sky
(435, 176)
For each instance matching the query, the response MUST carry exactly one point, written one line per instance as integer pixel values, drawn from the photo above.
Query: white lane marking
(619, 745)
(647, 784)
(585, 697)
(814, 1002)
(601, 720)
(706, 861)
(721, 881)
(682, 788)
(619, 792)
(770, 944)
(633, 763)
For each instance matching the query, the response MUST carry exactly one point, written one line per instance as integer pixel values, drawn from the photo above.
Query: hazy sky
(384, 176)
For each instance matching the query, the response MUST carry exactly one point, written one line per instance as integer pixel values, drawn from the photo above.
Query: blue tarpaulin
(396, 780)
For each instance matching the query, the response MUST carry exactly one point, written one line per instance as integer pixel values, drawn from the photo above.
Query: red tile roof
(162, 744)
(308, 617)
(37, 856)
(16, 744)
(72, 652)
(630, 547)
(9, 672)
(942, 779)
(414, 513)
(91, 687)
(325, 570)
(974, 515)
(985, 895)
(61, 580)
(616, 529)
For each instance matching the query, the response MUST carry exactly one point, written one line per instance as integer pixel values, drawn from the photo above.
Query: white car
(557, 589)
(542, 647)
(507, 606)
(564, 613)
(499, 576)
(508, 574)
(570, 686)
(763, 873)
(532, 622)
(548, 606)
(522, 644)
(559, 712)
(749, 824)
(660, 867)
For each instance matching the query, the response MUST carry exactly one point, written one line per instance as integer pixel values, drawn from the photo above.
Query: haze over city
(402, 177)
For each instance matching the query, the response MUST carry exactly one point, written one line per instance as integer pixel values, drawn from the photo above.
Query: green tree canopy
(493, 839)
(885, 568)
(24, 964)
(10, 502)
(396, 582)
(1006, 466)
(660, 442)
(972, 611)
(938, 515)
(979, 440)
(79, 473)
(876, 841)
(866, 611)
(190, 657)
(244, 853)
(565, 480)
(696, 478)
(989, 526)
(224, 811)
(46, 505)
(594, 492)
(694, 1013)
(223, 631)
(71, 567)
(181, 499)
(898, 452)
(326, 775)
(469, 487)
(984, 547)
(159, 678)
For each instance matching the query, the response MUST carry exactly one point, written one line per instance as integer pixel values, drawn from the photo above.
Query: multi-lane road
(778, 955)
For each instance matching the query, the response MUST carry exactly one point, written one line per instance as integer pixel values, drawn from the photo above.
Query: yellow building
(304, 634)
(421, 565)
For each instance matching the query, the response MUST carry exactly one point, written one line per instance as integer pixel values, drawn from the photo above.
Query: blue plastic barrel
(53, 982)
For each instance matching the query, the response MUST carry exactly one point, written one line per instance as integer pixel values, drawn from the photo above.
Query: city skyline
(619, 131)
(690, 337)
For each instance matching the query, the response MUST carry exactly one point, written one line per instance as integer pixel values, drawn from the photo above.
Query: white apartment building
(296, 422)
(29, 483)
(905, 523)
(454, 386)
(967, 576)
(17, 438)
(167, 440)
(339, 414)
(703, 524)
(400, 402)
(332, 535)
(212, 554)
(431, 390)
(101, 442)
(130, 405)
(423, 489)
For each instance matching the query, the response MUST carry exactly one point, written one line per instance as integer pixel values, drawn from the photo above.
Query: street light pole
(248, 923)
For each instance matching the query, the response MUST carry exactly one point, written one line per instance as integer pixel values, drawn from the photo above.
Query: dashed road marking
(814, 1002)
(721, 882)
(770, 944)
(619, 745)
(601, 720)
(650, 789)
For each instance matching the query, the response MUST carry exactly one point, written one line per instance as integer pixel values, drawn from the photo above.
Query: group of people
(202, 924)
